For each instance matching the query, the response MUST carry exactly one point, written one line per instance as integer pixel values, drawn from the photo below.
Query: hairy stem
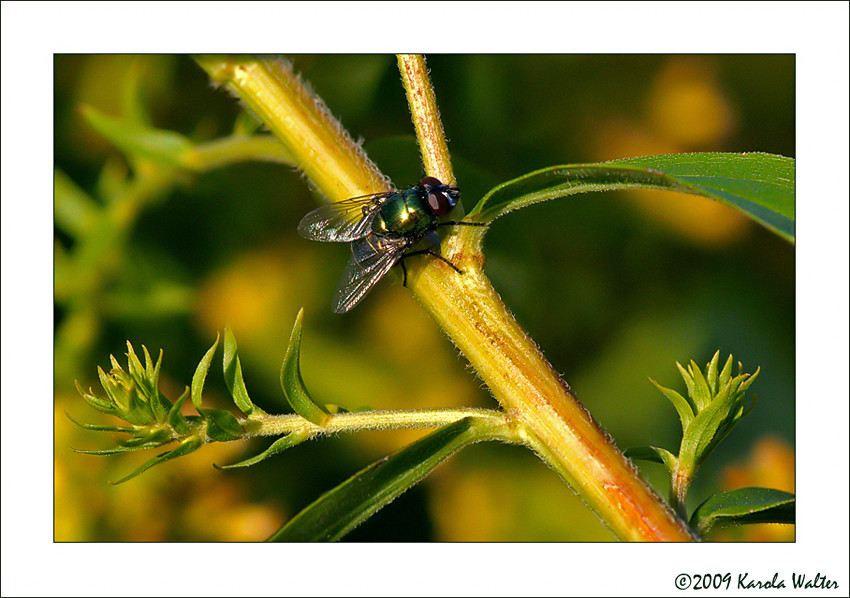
(318, 143)
(275, 425)
(426, 117)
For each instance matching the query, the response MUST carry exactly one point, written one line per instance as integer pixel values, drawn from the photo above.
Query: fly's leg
(461, 224)
(424, 252)
(436, 255)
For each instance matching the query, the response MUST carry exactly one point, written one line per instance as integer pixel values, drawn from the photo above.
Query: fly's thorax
(405, 214)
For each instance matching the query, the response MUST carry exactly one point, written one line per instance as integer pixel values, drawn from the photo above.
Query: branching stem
(548, 416)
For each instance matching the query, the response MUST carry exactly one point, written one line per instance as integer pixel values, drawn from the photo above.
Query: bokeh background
(614, 287)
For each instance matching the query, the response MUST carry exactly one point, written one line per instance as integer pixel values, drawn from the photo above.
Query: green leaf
(152, 369)
(102, 405)
(711, 425)
(725, 374)
(278, 446)
(759, 185)
(74, 211)
(340, 510)
(150, 402)
(711, 373)
(131, 90)
(112, 451)
(137, 139)
(654, 454)
(100, 427)
(222, 426)
(734, 407)
(150, 437)
(134, 367)
(201, 375)
(742, 506)
(689, 381)
(233, 376)
(176, 419)
(138, 412)
(702, 394)
(189, 445)
(684, 409)
(161, 405)
(293, 385)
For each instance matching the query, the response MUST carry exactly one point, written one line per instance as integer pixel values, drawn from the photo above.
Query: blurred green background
(614, 288)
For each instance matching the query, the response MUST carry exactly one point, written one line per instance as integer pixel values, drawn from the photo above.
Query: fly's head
(440, 198)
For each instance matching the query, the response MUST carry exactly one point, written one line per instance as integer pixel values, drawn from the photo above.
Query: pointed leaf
(293, 385)
(100, 427)
(700, 433)
(150, 438)
(711, 373)
(176, 419)
(233, 376)
(742, 506)
(222, 426)
(98, 403)
(759, 185)
(138, 140)
(725, 374)
(749, 380)
(689, 381)
(340, 510)
(106, 383)
(710, 425)
(683, 408)
(702, 394)
(189, 445)
(146, 382)
(131, 97)
(111, 451)
(654, 454)
(735, 411)
(138, 411)
(278, 446)
(151, 371)
(201, 375)
(134, 366)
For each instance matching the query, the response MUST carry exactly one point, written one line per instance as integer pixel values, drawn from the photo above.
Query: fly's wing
(345, 220)
(372, 257)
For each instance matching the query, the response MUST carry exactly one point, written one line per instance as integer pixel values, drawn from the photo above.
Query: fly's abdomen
(404, 215)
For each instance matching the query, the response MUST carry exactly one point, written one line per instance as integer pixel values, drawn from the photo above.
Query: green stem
(235, 148)
(276, 425)
(681, 481)
(538, 404)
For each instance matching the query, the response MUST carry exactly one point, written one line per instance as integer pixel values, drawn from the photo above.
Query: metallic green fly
(381, 228)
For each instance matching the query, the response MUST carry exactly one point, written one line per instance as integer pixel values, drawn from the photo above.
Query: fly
(381, 227)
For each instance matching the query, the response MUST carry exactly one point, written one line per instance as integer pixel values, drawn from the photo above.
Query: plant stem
(426, 117)
(235, 148)
(538, 404)
(318, 143)
(681, 481)
(276, 425)
(555, 424)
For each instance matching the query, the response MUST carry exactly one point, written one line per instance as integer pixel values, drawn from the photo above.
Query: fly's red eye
(429, 181)
(439, 203)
